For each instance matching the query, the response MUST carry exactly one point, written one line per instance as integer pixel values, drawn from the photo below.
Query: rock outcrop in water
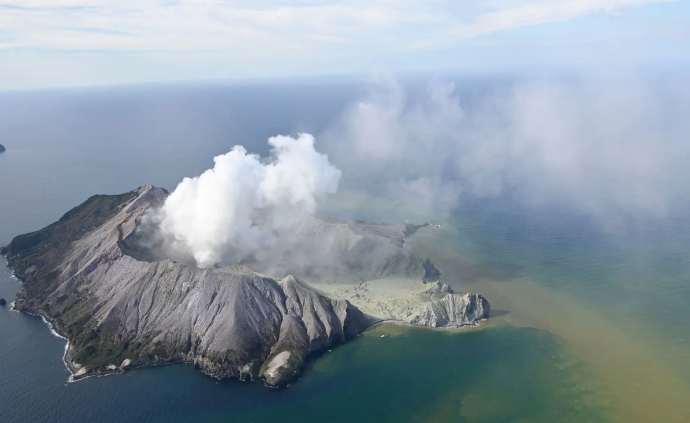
(2, 148)
(119, 312)
(452, 311)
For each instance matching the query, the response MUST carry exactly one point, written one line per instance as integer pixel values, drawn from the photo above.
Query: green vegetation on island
(33, 256)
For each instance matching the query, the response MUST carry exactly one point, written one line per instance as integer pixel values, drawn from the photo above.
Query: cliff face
(452, 311)
(118, 312)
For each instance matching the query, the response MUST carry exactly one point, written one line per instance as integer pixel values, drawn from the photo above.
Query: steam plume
(232, 212)
(612, 147)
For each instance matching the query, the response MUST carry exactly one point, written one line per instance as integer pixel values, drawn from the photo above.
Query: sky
(62, 43)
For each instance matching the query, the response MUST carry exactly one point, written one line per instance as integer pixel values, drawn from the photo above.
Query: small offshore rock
(2, 148)
(3, 302)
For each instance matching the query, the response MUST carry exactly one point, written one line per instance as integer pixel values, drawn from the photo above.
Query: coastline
(475, 325)
(51, 329)
(387, 295)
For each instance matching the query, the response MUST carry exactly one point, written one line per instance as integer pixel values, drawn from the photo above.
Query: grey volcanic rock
(2, 148)
(452, 311)
(321, 251)
(440, 288)
(317, 250)
(119, 312)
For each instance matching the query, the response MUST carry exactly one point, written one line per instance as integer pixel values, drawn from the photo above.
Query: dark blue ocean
(590, 326)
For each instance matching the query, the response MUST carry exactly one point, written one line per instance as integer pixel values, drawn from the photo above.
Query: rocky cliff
(452, 311)
(119, 312)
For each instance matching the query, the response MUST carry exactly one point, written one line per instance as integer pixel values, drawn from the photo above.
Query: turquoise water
(588, 325)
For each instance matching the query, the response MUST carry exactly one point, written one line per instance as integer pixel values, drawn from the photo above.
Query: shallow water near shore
(586, 327)
(618, 302)
(497, 374)
(623, 319)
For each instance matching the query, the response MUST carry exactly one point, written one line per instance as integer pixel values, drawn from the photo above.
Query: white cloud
(89, 42)
(527, 13)
(211, 25)
(234, 210)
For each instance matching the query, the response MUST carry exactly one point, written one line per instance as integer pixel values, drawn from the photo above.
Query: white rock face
(276, 365)
(452, 311)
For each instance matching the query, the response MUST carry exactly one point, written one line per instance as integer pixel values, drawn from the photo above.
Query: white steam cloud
(613, 148)
(233, 211)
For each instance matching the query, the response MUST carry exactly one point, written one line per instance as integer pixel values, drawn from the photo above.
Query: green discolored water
(618, 301)
(492, 375)
(416, 375)
(616, 298)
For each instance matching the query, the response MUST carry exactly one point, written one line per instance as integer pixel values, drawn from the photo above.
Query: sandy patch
(380, 298)
(278, 361)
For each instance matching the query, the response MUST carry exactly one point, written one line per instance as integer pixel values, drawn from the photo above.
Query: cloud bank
(613, 147)
(89, 42)
(203, 25)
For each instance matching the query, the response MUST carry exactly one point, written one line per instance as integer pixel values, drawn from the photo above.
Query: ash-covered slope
(119, 312)
(320, 251)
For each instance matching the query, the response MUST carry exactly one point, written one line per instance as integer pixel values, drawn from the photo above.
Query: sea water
(586, 326)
